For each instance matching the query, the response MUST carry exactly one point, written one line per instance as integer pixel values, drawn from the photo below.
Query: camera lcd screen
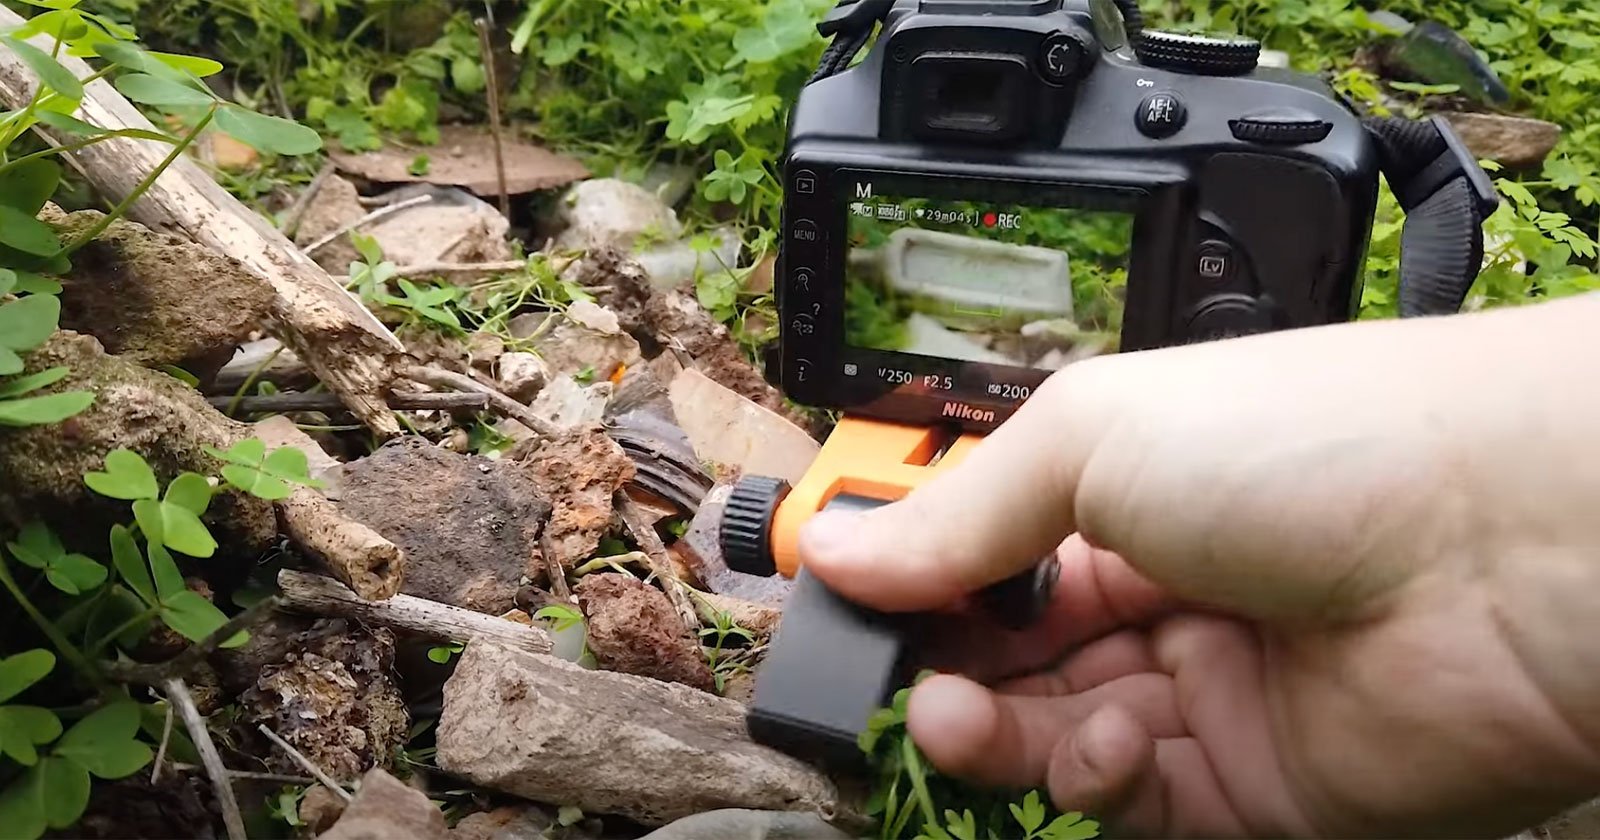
(993, 283)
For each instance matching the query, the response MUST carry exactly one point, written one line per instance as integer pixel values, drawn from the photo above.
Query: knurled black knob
(746, 533)
(1199, 54)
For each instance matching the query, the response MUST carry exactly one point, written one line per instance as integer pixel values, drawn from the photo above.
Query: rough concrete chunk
(633, 628)
(609, 743)
(386, 808)
(581, 470)
(469, 526)
(571, 347)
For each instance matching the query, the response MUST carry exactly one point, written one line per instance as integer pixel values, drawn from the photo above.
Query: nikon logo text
(962, 411)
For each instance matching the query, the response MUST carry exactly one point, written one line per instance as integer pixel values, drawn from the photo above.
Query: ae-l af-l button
(1161, 115)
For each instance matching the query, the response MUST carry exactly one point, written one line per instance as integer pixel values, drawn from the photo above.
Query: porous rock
(385, 808)
(580, 470)
(161, 418)
(469, 526)
(156, 299)
(510, 822)
(521, 375)
(633, 628)
(332, 697)
(610, 743)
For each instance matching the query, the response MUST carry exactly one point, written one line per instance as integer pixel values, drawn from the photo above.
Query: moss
(155, 415)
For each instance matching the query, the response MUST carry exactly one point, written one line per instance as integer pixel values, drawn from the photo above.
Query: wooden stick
(432, 620)
(178, 695)
(301, 760)
(643, 532)
(255, 776)
(441, 378)
(343, 343)
(456, 270)
(161, 752)
(278, 403)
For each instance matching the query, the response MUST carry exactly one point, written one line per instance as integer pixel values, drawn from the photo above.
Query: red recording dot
(989, 219)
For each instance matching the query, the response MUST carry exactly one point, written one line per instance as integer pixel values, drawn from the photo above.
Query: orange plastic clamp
(870, 458)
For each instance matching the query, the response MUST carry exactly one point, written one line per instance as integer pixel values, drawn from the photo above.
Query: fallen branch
(382, 212)
(301, 760)
(279, 403)
(191, 658)
(441, 378)
(358, 556)
(178, 694)
(254, 775)
(161, 752)
(432, 620)
(660, 563)
(342, 342)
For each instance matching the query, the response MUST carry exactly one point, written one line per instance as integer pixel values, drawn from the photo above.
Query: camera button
(1061, 57)
(1215, 263)
(806, 231)
(1161, 115)
(805, 182)
(802, 280)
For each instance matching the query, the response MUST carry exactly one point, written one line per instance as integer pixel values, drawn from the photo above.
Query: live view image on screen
(1009, 285)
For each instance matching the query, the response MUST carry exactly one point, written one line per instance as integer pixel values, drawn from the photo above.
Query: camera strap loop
(1446, 197)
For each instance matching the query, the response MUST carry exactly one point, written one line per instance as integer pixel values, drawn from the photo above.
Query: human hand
(1328, 582)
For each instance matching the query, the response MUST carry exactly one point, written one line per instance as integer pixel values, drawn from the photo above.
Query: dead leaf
(464, 157)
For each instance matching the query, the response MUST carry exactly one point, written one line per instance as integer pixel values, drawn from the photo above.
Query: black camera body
(979, 145)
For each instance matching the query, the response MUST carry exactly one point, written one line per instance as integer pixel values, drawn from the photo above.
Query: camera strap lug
(854, 16)
(1446, 197)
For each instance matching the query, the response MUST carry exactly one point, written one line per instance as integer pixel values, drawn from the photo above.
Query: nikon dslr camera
(1000, 188)
(1003, 186)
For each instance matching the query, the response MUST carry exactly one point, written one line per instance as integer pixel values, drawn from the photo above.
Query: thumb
(997, 513)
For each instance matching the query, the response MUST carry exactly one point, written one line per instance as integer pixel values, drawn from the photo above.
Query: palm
(1221, 728)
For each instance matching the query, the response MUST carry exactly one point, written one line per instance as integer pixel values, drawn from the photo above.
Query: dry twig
(492, 85)
(660, 564)
(375, 215)
(161, 753)
(318, 595)
(460, 271)
(291, 220)
(178, 695)
(179, 666)
(441, 378)
(326, 780)
(276, 403)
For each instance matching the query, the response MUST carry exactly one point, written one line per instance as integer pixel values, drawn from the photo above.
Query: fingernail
(830, 534)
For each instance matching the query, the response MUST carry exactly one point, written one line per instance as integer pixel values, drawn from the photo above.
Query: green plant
(563, 617)
(722, 627)
(911, 796)
(104, 608)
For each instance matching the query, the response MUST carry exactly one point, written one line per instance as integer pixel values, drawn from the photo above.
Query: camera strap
(1445, 194)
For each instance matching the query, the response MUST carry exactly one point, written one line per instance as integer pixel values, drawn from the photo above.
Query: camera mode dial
(747, 524)
(1198, 54)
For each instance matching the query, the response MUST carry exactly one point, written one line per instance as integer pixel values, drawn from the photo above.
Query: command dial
(1198, 54)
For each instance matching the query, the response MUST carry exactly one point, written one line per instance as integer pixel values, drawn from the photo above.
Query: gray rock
(568, 405)
(611, 212)
(521, 375)
(677, 264)
(1515, 142)
(582, 340)
(543, 729)
(743, 824)
(385, 808)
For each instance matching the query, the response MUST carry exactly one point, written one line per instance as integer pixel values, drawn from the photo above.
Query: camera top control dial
(1198, 54)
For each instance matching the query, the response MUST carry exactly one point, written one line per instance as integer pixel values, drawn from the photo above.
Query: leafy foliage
(909, 794)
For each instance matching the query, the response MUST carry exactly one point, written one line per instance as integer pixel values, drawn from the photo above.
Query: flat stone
(610, 212)
(745, 824)
(1516, 142)
(464, 157)
(654, 752)
(571, 348)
